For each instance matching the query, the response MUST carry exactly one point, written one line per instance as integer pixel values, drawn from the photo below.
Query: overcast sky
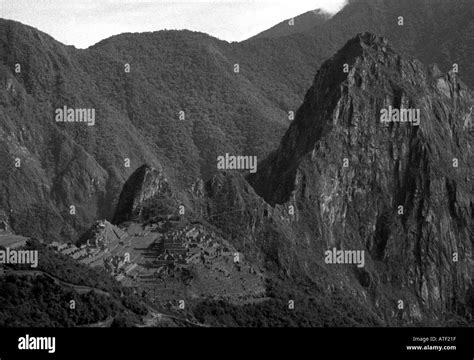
(85, 22)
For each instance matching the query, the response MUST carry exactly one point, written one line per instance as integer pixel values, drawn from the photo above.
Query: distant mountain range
(138, 113)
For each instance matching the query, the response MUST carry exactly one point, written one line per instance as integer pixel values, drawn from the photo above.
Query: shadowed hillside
(181, 105)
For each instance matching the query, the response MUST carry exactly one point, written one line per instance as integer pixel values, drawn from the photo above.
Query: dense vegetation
(38, 301)
(310, 310)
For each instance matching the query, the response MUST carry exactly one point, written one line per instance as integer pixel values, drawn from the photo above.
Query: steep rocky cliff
(399, 191)
(144, 184)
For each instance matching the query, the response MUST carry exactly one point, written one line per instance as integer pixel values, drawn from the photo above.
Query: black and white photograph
(169, 168)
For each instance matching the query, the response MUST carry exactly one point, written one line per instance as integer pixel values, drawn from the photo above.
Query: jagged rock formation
(144, 184)
(392, 190)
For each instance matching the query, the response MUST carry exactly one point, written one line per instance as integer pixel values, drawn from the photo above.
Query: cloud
(85, 22)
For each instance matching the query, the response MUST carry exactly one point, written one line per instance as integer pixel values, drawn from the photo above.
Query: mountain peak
(348, 94)
(370, 39)
(390, 184)
(363, 45)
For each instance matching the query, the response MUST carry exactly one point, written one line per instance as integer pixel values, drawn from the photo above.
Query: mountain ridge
(300, 23)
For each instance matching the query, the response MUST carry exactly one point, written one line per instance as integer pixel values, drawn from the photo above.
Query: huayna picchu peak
(398, 190)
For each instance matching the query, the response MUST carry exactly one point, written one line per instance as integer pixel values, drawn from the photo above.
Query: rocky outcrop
(144, 184)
